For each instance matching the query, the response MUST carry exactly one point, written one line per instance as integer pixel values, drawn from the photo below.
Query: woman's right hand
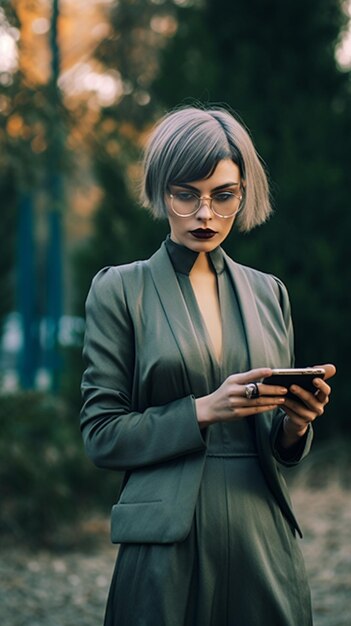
(229, 402)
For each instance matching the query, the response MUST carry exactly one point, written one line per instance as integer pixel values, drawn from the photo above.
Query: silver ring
(251, 391)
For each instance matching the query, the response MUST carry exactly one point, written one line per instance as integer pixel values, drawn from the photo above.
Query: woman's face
(204, 231)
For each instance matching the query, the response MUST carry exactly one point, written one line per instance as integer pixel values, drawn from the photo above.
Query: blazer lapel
(258, 357)
(250, 316)
(180, 322)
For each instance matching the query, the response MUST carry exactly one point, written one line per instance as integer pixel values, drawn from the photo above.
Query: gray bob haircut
(187, 144)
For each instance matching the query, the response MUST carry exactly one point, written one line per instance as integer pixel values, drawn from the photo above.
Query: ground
(69, 588)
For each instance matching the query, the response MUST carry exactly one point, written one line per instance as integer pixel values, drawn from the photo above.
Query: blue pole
(54, 260)
(28, 357)
(54, 288)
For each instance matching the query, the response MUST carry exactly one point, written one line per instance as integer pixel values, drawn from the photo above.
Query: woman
(174, 347)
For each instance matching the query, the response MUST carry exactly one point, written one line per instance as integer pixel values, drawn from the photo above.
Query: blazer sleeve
(285, 307)
(289, 456)
(116, 436)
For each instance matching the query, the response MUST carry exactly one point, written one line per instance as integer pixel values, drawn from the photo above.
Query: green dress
(241, 564)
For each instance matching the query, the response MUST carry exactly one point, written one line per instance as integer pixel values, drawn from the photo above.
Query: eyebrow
(218, 188)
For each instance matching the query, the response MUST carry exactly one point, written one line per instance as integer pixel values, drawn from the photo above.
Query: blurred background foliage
(80, 86)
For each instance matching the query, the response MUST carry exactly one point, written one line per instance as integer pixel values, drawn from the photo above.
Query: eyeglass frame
(225, 217)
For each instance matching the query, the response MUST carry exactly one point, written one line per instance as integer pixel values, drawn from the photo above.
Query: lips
(203, 233)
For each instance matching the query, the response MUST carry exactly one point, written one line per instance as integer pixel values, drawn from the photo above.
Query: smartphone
(295, 376)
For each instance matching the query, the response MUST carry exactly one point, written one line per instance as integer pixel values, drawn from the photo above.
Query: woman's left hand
(307, 406)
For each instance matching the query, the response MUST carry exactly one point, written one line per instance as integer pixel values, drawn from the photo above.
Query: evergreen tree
(121, 230)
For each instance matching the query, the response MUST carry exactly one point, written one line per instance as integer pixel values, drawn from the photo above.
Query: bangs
(197, 164)
(197, 156)
(201, 166)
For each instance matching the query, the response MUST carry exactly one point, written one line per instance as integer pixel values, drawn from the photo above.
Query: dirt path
(70, 589)
(325, 516)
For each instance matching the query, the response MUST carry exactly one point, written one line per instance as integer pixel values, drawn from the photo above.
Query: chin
(202, 246)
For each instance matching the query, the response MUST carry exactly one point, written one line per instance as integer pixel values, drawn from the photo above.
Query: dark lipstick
(203, 233)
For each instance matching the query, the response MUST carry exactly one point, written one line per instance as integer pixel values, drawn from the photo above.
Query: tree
(7, 182)
(121, 230)
(34, 125)
(7, 239)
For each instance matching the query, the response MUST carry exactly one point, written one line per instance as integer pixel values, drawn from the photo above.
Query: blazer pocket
(157, 503)
(143, 486)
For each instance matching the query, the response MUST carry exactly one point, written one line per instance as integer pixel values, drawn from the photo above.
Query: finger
(254, 410)
(299, 421)
(321, 396)
(321, 386)
(240, 401)
(330, 370)
(309, 397)
(307, 407)
(271, 390)
(251, 376)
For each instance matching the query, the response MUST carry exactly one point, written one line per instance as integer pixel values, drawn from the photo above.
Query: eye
(185, 196)
(223, 196)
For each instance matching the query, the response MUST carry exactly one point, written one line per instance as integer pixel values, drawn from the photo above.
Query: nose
(204, 211)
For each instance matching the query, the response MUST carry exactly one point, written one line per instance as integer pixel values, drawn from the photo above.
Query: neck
(202, 264)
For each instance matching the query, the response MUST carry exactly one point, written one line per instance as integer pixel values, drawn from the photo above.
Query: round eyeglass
(224, 204)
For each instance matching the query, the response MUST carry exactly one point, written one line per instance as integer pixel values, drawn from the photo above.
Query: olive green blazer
(139, 415)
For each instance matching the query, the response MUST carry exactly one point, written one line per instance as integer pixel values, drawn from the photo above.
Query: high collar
(183, 258)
